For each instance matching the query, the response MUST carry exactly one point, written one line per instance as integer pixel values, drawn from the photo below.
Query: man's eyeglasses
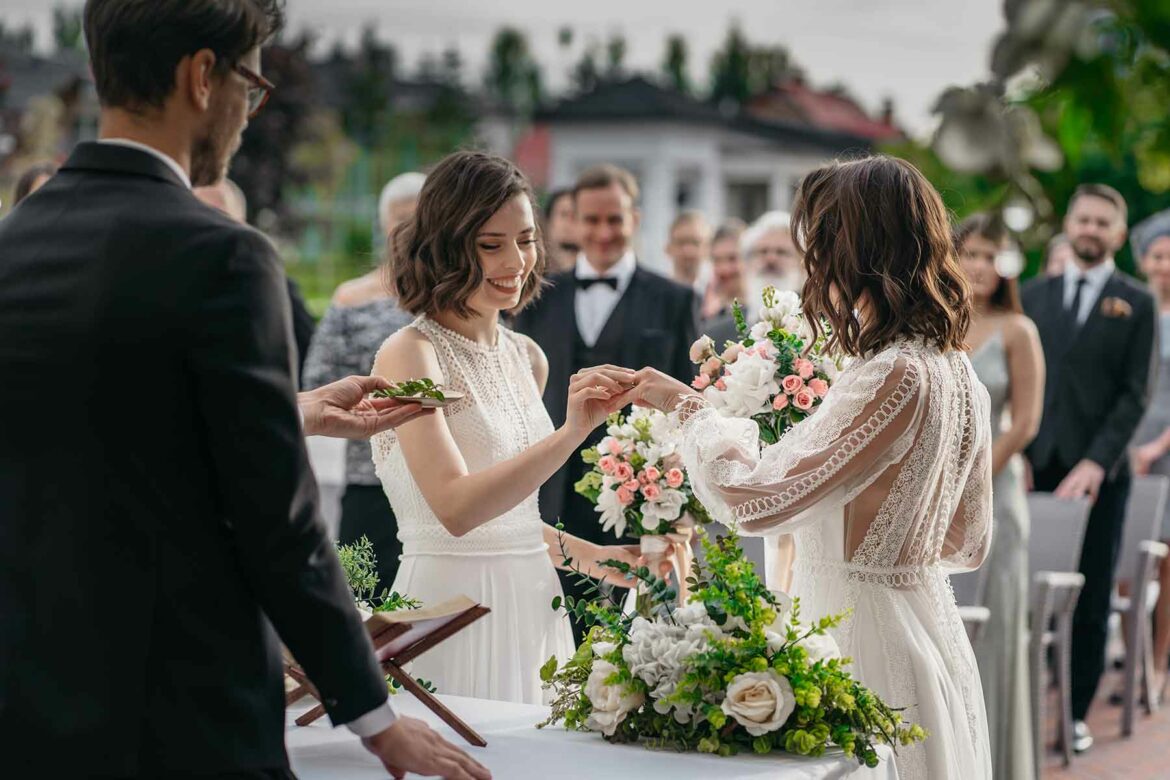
(259, 89)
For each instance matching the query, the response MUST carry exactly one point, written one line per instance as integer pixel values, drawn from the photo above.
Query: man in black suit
(158, 518)
(606, 310)
(1097, 328)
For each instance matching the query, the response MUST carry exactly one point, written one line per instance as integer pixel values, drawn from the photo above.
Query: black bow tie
(584, 283)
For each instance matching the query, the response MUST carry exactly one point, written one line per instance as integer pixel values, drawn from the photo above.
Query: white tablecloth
(517, 750)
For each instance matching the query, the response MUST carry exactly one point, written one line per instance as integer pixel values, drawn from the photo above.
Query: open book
(398, 638)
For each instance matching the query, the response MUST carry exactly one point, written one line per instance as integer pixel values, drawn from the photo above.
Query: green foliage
(755, 635)
(360, 565)
(413, 388)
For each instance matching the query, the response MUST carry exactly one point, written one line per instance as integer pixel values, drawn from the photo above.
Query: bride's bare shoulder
(407, 354)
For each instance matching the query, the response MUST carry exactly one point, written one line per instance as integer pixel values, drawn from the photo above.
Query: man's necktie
(1074, 311)
(584, 283)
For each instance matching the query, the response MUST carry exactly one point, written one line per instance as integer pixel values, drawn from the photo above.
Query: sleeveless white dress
(887, 489)
(504, 563)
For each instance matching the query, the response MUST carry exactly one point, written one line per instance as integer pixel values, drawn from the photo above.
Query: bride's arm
(461, 500)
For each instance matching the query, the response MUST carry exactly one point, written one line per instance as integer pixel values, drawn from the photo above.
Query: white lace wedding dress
(504, 563)
(888, 489)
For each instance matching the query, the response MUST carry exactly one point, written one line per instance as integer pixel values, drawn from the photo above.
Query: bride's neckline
(459, 338)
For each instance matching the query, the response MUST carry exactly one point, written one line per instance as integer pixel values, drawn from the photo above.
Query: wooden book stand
(399, 638)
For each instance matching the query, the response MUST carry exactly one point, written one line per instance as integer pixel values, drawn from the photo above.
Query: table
(517, 750)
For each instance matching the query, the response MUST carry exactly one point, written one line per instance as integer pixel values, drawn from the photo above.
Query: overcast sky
(906, 49)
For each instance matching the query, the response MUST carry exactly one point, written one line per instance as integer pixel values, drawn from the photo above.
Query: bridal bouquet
(734, 669)
(775, 374)
(637, 481)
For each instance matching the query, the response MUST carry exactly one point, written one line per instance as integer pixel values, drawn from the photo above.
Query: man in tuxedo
(606, 310)
(158, 518)
(1097, 329)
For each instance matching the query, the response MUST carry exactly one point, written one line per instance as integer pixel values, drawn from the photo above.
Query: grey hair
(401, 187)
(765, 223)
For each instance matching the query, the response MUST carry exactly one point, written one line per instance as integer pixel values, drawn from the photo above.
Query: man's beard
(211, 156)
(1090, 251)
(781, 280)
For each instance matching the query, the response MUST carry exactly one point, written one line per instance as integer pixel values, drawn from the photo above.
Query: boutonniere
(1116, 307)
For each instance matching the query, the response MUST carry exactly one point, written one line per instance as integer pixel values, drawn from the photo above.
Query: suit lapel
(1092, 324)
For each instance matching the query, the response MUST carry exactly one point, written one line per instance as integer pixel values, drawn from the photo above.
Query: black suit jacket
(157, 510)
(1098, 375)
(661, 324)
(303, 325)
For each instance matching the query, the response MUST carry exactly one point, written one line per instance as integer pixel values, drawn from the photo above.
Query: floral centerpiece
(638, 485)
(776, 374)
(734, 669)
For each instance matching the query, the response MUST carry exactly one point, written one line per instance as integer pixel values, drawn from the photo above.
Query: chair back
(1143, 519)
(1056, 530)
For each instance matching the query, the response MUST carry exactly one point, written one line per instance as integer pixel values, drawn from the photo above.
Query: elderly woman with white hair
(361, 316)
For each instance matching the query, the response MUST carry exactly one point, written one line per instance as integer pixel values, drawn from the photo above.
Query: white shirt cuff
(373, 722)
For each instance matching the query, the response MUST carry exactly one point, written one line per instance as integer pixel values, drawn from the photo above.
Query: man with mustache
(1097, 329)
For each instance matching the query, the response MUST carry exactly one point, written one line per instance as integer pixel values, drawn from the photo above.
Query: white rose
(760, 331)
(667, 507)
(750, 386)
(759, 701)
(602, 649)
(776, 641)
(610, 703)
(820, 647)
(784, 303)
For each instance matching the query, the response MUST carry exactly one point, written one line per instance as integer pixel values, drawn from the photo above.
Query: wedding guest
(728, 275)
(560, 234)
(607, 310)
(1097, 328)
(362, 315)
(1006, 354)
(771, 256)
(175, 491)
(464, 483)
(1151, 453)
(1057, 255)
(227, 196)
(687, 247)
(32, 180)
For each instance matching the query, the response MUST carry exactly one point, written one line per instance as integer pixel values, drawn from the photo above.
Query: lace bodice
(899, 452)
(500, 416)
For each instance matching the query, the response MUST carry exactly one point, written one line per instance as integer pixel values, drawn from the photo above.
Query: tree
(615, 55)
(68, 29)
(586, 73)
(674, 64)
(264, 168)
(367, 85)
(18, 39)
(513, 75)
(730, 68)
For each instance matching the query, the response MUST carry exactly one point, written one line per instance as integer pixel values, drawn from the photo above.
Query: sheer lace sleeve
(867, 422)
(968, 536)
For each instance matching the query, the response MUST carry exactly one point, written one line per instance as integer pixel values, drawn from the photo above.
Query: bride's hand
(595, 394)
(630, 554)
(657, 390)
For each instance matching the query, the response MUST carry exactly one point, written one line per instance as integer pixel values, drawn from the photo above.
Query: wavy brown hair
(433, 261)
(875, 237)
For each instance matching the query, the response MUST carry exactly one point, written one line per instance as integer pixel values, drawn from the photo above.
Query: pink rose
(780, 402)
(615, 447)
(792, 384)
(651, 491)
(632, 485)
(674, 478)
(625, 497)
(732, 352)
(702, 348)
(804, 399)
(819, 386)
(804, 367)
(624, 472)
(720, 384)
(701, 382)
(712, 366)
(607, 464)
(649, 474)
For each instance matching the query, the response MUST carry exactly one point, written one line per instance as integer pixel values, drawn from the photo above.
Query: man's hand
(1084, 480)
(411, 746)
(342, 410)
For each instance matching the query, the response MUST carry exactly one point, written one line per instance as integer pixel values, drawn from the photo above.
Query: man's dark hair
(605, 175)
(135, 45)
(1104, 192)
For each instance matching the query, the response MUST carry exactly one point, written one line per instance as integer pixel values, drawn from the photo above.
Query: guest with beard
(687, 248)
(728, 276)
(772, 259)
(227, 197)
(1097, 328)
(560, 231)
(608, 310)
(362, 315)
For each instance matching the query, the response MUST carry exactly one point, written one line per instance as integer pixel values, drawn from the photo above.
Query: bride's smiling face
(507, 253)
